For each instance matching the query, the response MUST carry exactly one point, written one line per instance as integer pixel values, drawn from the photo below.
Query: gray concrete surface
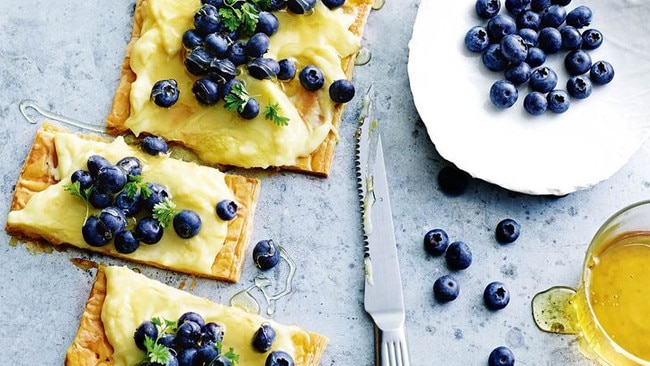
(67, 55)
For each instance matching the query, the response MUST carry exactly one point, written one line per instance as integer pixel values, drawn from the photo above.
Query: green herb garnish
(135, 185)
(83, 194)
(272, 113)
(156, 353)
(232, 356)
(237, 98)
(164, 211)
(243, 18)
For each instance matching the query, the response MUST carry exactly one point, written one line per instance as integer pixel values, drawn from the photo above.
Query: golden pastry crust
(90, 346)
(38, 173)
(318, 162)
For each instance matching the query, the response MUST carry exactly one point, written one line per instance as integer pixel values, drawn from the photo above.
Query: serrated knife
(383, 298)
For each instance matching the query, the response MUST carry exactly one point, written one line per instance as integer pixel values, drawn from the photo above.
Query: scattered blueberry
(503, 94)
(591, 39)
(267, 23)
(579, 86)
(476, 39)
(154, 145)
(207, 19)
(226, 209)
(601, 72)
(188, 334)
(145, 329)
(83, 177)
(263, 68)
(536, 57)
(192, 39)
(341, 91)
(528, 19)
(279, 358)
(187, 224)
(493, 58)
(501, 356)
(191, 316)
(113, 219)
(212, 333)
(535, 103)
(452, 181)
(96, 162)
(543, 79)
(264, 337)
(95, 233)
(287, 69)
(222, 70)
(148, 230)
(125, 242)
(513, 48)
(333, 4)
(206, 91)
(237, 52)
(549, 40)
(436, 241)
(111, 179)
(251, 109)
(518, 74)
(500, 26)
(554, 16)
(216, 44)
(311, 78)
(446, 288)
(579, 17)
(577, 62)
(266, 254)
(571, 38)
(529, 36)
(257, 45)
(158, 194)
(197, 62)
(517, 7)
(130, 165)
(539, 5)
(487, 9)
(458, 255)
(100, 199)
(300, 6)
(496, 296)
(558, 101)
(165, 93)
(507, 231)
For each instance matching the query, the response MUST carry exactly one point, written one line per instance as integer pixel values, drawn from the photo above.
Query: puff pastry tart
(121, 300)
(326, 38)
(44, 209)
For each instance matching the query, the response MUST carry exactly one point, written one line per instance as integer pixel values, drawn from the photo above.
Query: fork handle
(391, 348)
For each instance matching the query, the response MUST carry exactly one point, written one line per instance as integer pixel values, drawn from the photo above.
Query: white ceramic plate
(549, 154)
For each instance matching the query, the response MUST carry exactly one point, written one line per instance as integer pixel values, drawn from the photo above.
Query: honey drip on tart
(300, 129)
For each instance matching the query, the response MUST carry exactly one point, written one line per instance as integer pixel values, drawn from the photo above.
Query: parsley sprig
(135, 185)
(237, 98)
(164, 212)
(232, 356)
(242, 15)
(272, 113)
(83, 194)
(158, 353)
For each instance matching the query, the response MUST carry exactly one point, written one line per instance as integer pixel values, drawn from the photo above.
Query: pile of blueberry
(190, 341)
(518, 41)
(228, 34)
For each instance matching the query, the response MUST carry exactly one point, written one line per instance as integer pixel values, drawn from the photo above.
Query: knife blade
(383, 298)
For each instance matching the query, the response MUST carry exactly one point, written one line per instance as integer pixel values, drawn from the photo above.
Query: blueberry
(549, 40)
(197, 62)
(237, 52)
(536, 57)
(216, 45)
(212, 333)
(125, 242)
(577, 62)
(553, 16)
(503, 94)
(266, 255)
(501, 356)
(507, 231)
(579, 86)
(591, 39)
(279, 358)
(517, 7)
(206, 91)
(543, 79)
(222, 70)
(113, 219)
(528, 19)
(167, 340)
(275, 5)
(263, 68)
(500, 26)
(164, 93)
(267, 23)
(571, 38)
(287, 69)
(154, 145)
(83, 177)
(558, 101)
(452, 181)
(493, 58)
(95, 233)
(518, 74)
(513, 48)
(192, 39)
(144, 330)
(341, 91)
(264, 337)
(100, 199)
(130, 165)
(300, 6)
(445, 288)
(188, 334)
(496, 296)
(187, 224)
(529, 36)
(226, 210)
(436, 241)
(96, 162)
(172, 360)
(186, 356)
(191, 316)
(257, 45)
(458, 255)
(206, 19)
(251, 109)
(148, 230)
(111, 179)
(487, 9)
(539, 5)
(476, 39)
(535, 103)
(311, 78)
(601, 72)
(227, 87)
(579, 17)
(333, 4)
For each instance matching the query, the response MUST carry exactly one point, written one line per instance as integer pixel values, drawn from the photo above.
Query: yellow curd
(132, 298)
(219, 136)
(58, 216)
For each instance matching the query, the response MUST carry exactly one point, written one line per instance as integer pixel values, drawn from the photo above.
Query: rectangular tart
(121, 299)
(328, 39)
(42, 210)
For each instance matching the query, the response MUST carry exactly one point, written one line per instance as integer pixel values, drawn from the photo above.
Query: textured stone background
(66, 56)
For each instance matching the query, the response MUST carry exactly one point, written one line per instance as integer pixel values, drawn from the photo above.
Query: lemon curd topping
(58, 216)
(132, 298)
(218, 136)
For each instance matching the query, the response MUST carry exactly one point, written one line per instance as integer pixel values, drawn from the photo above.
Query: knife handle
(391, 348)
